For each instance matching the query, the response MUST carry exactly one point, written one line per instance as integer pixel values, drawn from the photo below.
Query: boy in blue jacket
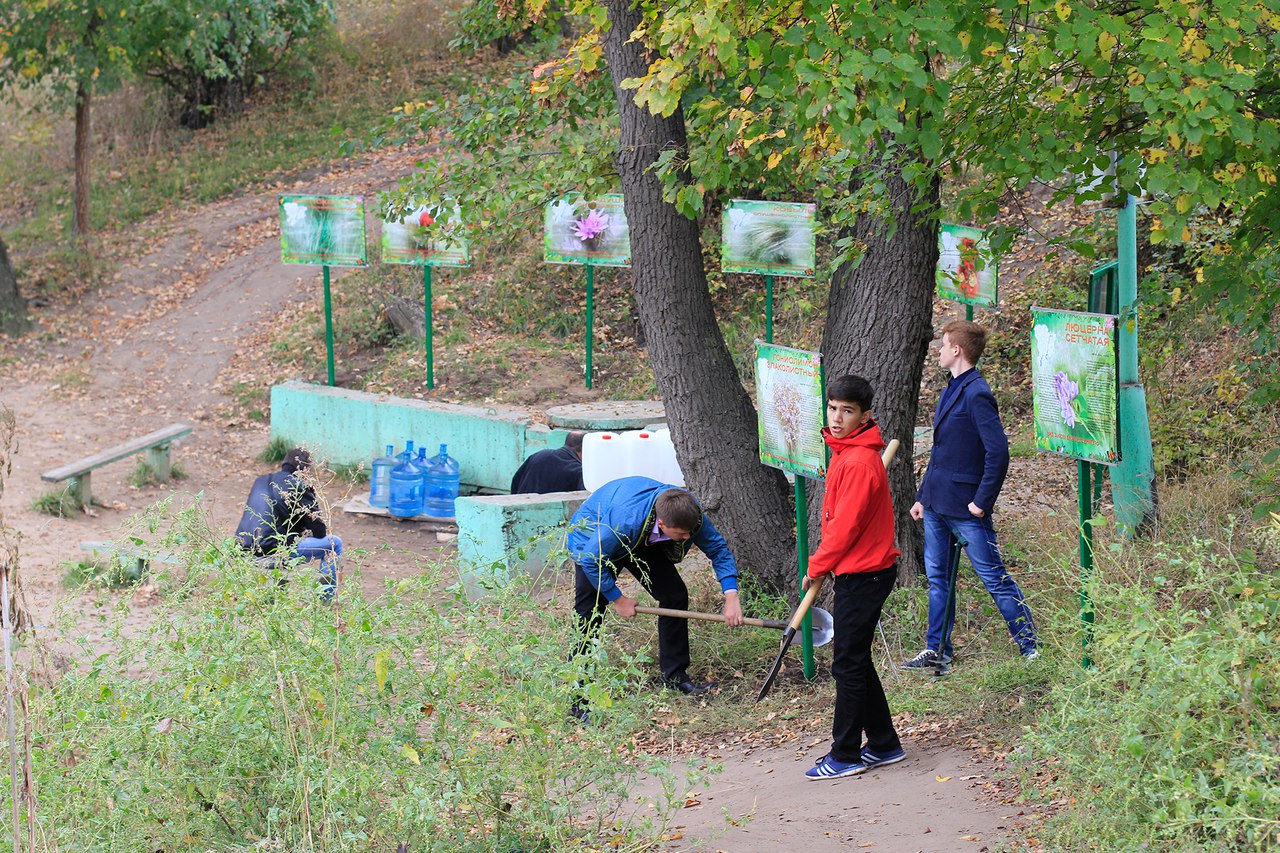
(967, 467)
(646, 527)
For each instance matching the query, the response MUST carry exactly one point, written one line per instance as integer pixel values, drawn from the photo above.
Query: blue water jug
(380, 481)
(406, 455)
(442, 484)
(406, 490)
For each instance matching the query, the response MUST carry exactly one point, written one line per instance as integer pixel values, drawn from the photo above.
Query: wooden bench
(155, 444)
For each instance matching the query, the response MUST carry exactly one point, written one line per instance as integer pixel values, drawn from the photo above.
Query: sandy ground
(158, 348)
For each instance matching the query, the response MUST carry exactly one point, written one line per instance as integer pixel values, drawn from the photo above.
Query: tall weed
(266, 719)
(1172, 740)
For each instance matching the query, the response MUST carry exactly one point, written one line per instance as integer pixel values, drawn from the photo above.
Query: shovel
(823, 627)
(789, 634)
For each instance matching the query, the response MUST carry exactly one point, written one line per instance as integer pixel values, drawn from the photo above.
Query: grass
(60, 503)
(112, 573)
(273, 453)
(143, 475)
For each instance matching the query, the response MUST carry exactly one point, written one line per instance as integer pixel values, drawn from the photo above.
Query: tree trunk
(712, 419)
(879, 324)
(13, 308)
(80, 202)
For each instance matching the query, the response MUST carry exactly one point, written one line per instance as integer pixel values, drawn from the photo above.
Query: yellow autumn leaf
(991, 50)
(382, 668)
(774, 159)
(1184, 203)
(1063, 9)
(1194, 149)
(1176, 296)
(1200, 49)
(1106, 41)
(1137, 78)
(1154, 155)
(1265, 173)
(965, 39)
(1186, 235)
(1175, 141)
(942, 778)
(410, 754)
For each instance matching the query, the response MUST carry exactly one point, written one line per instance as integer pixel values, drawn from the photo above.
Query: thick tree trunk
(13, 308)
(80, 194)
(712, 419)
(879, 324)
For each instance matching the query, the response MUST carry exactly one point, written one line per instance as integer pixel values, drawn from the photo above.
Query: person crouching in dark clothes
(552, 470)
(280, 509)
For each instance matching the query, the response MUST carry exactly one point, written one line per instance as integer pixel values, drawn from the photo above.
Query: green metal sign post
(768, 308)
(1133, 480)
(328, 325)
(591, 318)
(430, 322)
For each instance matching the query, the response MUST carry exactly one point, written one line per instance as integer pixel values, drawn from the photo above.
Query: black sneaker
(580, 713)
(689, 687)
(927, 661)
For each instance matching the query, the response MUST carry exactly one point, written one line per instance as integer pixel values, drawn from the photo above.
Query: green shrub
(60, 503)
(1171, 740)
(267, 719)
(144, 475)
(273, 453)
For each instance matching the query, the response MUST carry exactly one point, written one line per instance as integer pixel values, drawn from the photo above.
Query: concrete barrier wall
(345, 426)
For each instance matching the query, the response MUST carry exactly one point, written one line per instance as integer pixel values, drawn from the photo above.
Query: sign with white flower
(324, 230)
(1075, 388)
(428, 235)
(769, 238)
(966, 267)
(790, 405)
(577, 230)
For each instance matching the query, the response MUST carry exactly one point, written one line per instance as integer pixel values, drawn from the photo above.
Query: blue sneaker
(828, 768)
(877, 759)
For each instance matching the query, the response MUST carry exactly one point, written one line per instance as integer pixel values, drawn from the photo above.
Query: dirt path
(157, 348)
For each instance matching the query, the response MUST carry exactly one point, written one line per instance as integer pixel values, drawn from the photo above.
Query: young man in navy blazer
(957, 495)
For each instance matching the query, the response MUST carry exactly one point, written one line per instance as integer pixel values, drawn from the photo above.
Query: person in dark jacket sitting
(280, 509)
(552, 470)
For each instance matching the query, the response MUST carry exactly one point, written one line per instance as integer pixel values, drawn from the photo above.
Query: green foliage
(115, 572)
(1170, 740)
(269, 718)
(273, 453)
(65, 45)
(58, 503)
(144, 475)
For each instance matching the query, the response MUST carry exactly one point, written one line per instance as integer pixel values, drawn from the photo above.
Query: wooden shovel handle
(710, 617)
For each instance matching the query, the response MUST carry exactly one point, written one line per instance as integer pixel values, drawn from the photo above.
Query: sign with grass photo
(324, 230)
(966, 267)
(1074, 369)
(582, 231)
(428, 235)
(769, 238)
(790, 402)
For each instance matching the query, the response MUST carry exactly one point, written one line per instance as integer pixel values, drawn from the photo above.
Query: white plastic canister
(601, 459)
(664, 457)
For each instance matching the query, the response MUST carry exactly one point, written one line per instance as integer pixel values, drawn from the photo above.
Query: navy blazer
(970, 454)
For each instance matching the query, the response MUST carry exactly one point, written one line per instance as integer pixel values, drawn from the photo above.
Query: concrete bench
(501, 537)
(155, 444)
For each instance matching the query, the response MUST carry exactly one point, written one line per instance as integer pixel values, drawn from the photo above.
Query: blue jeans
(327, 551)
(944, 535)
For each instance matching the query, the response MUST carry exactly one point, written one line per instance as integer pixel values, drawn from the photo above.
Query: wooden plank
(113, 454)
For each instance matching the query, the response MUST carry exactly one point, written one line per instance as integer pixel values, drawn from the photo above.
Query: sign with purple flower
(966, 267)
(1074, 364)
(790, 403)
(577, 230)
(430, 235)
(769, 238)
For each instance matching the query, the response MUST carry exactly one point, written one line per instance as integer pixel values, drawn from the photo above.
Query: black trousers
(659, 576)
(861, 706)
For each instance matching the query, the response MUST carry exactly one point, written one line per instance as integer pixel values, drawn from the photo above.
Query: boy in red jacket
(857, 547)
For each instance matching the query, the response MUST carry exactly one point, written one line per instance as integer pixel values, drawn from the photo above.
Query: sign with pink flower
(966, 267)
(428, 235)
(1075, 388)
(594, 232)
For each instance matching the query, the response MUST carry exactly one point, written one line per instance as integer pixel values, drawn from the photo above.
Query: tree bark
(879, 324)
(712, 419)
(80, 194)
(13, 308)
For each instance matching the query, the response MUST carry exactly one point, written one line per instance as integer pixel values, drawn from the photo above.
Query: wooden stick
(710, 617)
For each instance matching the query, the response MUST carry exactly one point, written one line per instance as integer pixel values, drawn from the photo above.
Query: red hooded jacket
(857, 512)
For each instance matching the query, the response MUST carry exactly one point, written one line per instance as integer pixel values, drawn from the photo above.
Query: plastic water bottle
(406, 455)
(406, 489)
(442, 484)
(380, 481)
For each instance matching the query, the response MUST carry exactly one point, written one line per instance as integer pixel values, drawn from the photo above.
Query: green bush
(1172, 740)
(267, 719)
